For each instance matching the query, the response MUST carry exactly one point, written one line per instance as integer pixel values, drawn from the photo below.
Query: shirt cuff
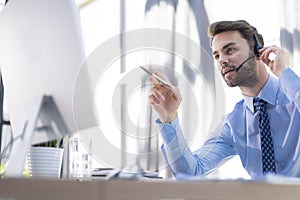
(168, 131)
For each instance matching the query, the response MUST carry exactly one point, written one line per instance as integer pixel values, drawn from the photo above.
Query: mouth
(226, 71)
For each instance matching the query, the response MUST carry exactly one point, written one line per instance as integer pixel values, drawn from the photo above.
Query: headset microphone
(239, 67)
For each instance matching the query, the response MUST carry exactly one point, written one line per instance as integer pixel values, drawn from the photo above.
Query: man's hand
(280, 61)
(164, 99)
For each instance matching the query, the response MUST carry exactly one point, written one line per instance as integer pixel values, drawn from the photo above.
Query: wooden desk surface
(24, 189)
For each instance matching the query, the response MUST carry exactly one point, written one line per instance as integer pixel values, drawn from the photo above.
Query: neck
(254, 90)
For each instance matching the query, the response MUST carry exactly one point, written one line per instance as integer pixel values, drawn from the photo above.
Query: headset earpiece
(257, 45)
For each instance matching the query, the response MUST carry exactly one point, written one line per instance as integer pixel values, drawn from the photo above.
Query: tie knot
(259, 104)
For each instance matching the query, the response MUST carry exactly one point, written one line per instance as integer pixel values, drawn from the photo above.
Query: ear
(258, 58)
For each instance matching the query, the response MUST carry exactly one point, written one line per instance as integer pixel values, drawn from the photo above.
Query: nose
(223, 61)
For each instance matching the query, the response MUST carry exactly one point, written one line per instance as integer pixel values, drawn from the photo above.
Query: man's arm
(288, 80)
(181, 160)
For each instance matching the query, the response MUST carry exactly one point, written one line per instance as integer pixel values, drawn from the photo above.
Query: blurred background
(205, 96)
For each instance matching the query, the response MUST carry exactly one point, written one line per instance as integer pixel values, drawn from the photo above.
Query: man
(263, 128)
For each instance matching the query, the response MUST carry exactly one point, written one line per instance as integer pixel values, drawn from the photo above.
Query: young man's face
(230, 50)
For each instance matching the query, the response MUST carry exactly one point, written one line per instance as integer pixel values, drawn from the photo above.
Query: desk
(25, 189)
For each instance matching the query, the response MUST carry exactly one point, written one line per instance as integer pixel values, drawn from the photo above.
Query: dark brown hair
(243, 27)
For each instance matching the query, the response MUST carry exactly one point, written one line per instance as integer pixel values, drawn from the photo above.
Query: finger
(154, 80)
(153, 100)
(268, 54)
(162, 79)
(271, 63)
(267, 51)
(175, 92)
(264, 54)
(162, 87)
(159, 96)
(176, 95)
(265, 59)
(157, 84)
(169, 92)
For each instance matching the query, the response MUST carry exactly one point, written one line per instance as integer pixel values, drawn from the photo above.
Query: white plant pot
(45, 162)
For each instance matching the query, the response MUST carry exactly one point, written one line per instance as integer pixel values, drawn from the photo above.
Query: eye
(216, 56)
(229, 50)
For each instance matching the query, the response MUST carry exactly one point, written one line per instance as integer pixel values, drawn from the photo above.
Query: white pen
(160, 80)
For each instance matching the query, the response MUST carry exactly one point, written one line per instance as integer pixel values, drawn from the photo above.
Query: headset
(257, 45)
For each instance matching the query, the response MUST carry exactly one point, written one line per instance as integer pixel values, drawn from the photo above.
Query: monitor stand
(40, 122)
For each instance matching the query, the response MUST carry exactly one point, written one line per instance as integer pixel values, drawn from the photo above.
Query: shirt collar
(268, 93)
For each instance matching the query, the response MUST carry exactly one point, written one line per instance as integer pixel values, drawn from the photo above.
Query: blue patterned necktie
(267, 148)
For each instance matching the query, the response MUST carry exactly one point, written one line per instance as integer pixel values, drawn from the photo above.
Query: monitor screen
(41, 53)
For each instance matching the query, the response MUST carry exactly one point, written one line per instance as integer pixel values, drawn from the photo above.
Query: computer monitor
(41, 53)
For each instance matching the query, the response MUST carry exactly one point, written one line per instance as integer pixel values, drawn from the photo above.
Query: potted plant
(45, 159)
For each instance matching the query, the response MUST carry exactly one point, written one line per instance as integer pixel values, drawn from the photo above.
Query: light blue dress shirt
(238, 134)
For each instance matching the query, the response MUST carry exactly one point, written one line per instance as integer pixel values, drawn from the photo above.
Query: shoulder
(237, 107)
(236, 113)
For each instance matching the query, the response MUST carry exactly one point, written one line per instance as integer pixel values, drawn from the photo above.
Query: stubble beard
(246, 76)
